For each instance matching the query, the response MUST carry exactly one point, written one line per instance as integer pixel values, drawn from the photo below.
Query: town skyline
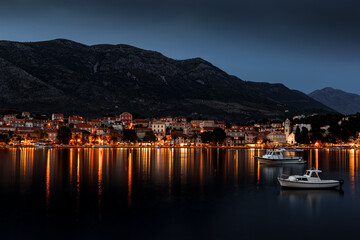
(57, 130)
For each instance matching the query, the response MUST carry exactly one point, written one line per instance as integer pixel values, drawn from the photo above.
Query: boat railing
(284, 176)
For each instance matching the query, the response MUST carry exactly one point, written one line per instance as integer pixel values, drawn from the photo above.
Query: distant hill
(343, 102)
(69, 77)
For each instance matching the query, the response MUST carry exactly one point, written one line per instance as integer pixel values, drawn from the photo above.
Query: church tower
(287, 127)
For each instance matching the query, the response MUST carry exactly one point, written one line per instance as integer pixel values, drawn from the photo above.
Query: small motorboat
(43, 145)
(102, 146)
(281, 156)
(309, 180)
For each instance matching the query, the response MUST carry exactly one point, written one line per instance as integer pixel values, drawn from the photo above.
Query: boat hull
(285, 183)
(102, 146)
(280, 161)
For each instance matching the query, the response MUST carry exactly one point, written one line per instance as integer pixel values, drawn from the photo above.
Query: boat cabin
(309, 176)
(312, 173)
(281, 153)
(274, 154)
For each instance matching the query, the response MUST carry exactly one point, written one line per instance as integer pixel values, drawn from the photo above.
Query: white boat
(43, 145)
(102, 146)
(281, 156)
(309, 180)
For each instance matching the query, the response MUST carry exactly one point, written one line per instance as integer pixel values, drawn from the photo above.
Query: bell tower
(287, 127)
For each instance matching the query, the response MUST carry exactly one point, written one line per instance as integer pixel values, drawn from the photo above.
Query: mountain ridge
(337, 99)
(63, 75)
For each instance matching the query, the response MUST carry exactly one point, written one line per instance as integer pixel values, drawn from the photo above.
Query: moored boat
(309, 180)
(281, 156)
(102, 146)
(43, 145)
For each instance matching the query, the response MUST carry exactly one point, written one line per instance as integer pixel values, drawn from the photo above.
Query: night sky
(306, 45)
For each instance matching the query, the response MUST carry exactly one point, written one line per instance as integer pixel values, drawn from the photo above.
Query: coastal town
(58, 130)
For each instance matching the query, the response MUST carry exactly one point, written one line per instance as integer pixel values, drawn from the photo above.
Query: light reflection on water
(111, 185)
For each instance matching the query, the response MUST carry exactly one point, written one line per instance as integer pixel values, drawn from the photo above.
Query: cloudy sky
(304, 44)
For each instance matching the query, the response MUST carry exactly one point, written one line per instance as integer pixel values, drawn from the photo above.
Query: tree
(218, 135)
(64, 134)
(4, 138)
(18, 138)
(206, 137)
(316, 136)
(114, 135)
(129, 135)
(40, 134)
(149, 137)
(167, 131)
(298, 135)
(194, 136)
(304, 135)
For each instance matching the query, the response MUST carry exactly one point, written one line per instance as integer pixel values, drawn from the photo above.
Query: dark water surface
(171, 194)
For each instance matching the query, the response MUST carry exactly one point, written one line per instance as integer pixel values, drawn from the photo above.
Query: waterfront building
(220, 124)
(207, 129)
(179, 138)
(141, 132)
(177, 126)
(24, 133)
(158, 127)
(125, 118)
(207, 123)
(25, 115)
(8, 117)
(101, 131)
(95, 123)
(7, 128)
(250, 137)
(237, 132)
(142, 123)
(85, 127)
(57, 116)
(29, 123)
(76, 119)
(166, 119)
(179, 120)
(79, 136)
(17, 122)
(118, 126)
(290, 139)
(51, 134)
(108, 121)
(277, 137)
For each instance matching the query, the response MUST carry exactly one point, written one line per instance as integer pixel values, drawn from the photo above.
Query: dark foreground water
(171, 194)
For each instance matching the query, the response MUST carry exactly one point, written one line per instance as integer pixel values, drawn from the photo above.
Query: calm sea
(169, 193)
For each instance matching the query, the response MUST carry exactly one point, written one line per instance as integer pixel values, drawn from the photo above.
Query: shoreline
(189, 147)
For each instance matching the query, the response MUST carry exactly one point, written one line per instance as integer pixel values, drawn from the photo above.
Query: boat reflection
(268, 174)
(311, 198)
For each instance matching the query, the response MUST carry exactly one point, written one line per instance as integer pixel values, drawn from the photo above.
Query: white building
(57, 116)
(290, 139)
(277, 137)
(287, 128)
(8, 117)
(207, 123)
(158, 128)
